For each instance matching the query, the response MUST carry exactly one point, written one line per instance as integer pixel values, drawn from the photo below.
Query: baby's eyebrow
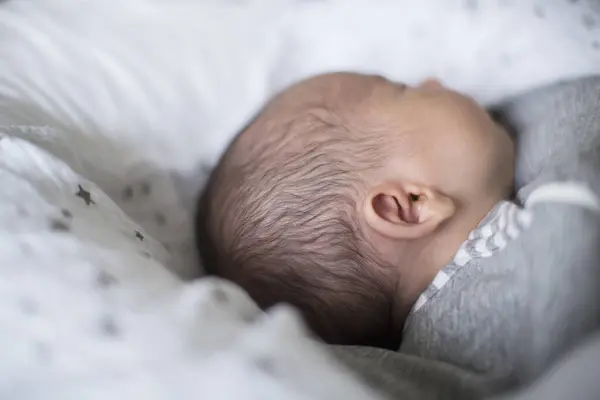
(496, 116)
(501, 121)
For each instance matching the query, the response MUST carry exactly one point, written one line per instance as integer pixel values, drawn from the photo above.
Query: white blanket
(111, 110)
(89, 311)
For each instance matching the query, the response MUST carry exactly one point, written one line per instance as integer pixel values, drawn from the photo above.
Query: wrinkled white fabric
(87, 309)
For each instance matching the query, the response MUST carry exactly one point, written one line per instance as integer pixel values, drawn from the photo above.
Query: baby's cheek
(464, 171)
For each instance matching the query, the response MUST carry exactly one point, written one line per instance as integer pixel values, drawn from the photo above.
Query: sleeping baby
(347, 195)
(361, 202)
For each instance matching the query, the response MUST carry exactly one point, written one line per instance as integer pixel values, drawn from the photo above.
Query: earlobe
(405, 211)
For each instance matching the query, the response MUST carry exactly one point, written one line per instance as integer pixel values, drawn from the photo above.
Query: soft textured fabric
(509, 316)
(573, 377)
(404, 376)
(553, 124)
(88, 310)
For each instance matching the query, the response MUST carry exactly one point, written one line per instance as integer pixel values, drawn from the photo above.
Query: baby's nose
(431, 83)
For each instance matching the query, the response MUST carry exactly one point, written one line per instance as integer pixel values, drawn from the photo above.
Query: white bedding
(132, 101)
(89, 311)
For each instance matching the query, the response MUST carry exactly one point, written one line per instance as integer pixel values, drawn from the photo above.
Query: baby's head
(347, 194)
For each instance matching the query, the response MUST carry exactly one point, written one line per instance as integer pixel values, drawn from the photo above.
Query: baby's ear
(405, 211)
